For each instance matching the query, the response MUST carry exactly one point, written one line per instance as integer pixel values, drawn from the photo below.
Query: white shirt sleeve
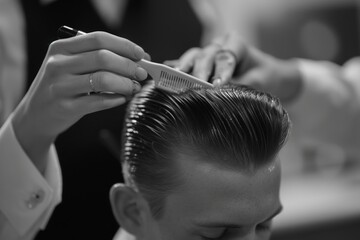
(28, 198)
(12, 56)
(328, 108)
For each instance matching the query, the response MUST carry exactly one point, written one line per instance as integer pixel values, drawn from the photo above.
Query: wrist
(34, 143)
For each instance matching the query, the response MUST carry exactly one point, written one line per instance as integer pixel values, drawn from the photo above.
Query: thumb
(225, 64)
(147, 56)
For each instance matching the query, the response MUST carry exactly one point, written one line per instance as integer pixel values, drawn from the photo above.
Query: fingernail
(139, 52)
(147, 56)
(136, 87)
(217, 82)
(140, 73)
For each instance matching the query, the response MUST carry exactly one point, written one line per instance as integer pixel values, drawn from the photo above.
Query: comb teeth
(175, 83)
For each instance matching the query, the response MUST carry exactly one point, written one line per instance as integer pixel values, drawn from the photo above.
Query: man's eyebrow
(234, 225)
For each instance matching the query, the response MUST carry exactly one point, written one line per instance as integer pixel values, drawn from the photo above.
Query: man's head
(201, 165)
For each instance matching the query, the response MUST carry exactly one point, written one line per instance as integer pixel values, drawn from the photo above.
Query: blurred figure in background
(222, 16)
(12, 60)
(287, 30)
(322, 97)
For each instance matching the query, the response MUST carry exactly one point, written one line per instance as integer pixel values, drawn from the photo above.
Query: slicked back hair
(230, 126)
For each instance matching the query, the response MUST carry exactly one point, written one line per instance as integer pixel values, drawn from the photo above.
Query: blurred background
(321, 184)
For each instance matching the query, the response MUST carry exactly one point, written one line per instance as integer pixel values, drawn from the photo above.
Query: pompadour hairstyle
(230, 126)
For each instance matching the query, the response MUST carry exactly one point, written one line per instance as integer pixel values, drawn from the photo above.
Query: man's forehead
(206, 188)
(194, 170)
(192, 163)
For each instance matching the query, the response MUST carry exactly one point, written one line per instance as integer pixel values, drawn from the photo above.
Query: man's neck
(123, 235)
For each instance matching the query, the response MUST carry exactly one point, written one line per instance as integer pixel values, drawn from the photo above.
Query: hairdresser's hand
(229, 61)
(218, 60)
(79, 75)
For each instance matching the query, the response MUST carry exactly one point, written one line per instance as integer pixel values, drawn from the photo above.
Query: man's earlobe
(128, 209)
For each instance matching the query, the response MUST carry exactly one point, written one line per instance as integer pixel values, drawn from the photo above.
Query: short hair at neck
(236, 126)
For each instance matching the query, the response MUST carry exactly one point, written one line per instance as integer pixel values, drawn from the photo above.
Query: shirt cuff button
(35, 199)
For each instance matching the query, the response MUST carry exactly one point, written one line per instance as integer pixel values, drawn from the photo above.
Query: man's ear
(129, 208)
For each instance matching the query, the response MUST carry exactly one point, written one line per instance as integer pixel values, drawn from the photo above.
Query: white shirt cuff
(27, 197)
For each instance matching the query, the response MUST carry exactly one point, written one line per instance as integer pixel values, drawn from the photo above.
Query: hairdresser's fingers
(235, 45)
(147, 57)
(98, 82)
(102, 60)
(204, 62)
(97, 102)
(186, 61)
(95, 41)
(225, 64)
(231, 56)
